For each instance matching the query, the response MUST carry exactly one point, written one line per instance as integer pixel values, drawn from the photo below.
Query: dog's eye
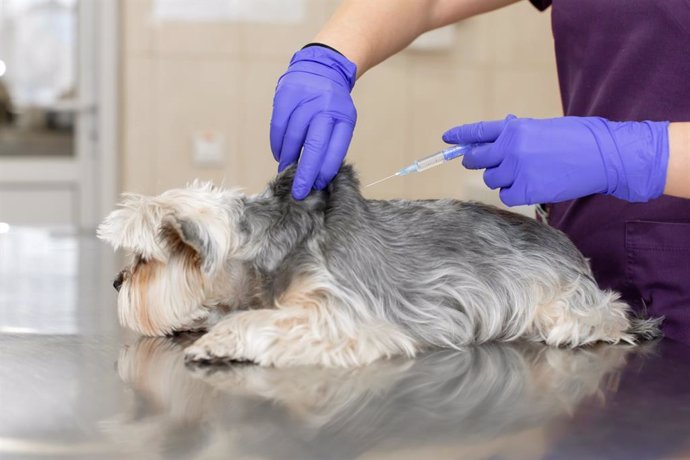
(117, 283)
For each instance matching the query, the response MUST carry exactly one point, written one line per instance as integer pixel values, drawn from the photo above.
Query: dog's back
(456, 272)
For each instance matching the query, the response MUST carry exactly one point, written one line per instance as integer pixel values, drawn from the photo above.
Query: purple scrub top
(629, 60)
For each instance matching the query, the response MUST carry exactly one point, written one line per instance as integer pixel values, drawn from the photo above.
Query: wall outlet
(209, 148)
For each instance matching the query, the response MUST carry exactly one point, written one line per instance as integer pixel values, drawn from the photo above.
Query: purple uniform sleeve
(541, 4)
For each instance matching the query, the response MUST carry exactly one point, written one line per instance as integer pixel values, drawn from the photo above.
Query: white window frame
(92, 173)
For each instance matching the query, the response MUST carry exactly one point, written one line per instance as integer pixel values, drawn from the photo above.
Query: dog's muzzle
(118, 281)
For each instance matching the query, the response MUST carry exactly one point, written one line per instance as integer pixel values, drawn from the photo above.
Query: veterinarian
(614, 172)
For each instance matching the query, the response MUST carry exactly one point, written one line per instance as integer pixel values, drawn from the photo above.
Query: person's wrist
(678, 170)
(635, 155)
(329, 62)
(322, 45)
(660, 160)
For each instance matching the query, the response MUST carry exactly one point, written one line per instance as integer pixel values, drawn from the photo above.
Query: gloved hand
(312, 107)
(559, 159)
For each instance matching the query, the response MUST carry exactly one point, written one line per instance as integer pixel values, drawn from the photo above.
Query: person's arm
(313, 113)
(558, 159)
(368, 32)
(678, 175)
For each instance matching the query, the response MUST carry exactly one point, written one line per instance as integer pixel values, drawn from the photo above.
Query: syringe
(432, 160)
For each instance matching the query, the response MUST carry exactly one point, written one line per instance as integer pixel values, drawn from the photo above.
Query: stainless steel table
(73, 385)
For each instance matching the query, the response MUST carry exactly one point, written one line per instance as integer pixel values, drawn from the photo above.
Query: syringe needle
(430, 161)
(381, 180)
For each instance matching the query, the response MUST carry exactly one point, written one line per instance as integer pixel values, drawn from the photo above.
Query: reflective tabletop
(74, 385)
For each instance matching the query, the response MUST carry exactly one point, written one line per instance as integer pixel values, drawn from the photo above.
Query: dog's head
(194, 249)
(180, 245)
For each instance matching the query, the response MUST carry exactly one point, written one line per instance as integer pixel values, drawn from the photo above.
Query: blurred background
(103, 96)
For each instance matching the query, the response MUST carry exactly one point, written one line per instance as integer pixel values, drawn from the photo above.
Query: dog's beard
(159, 299)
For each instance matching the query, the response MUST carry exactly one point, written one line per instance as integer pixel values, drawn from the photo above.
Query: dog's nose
(118, 281)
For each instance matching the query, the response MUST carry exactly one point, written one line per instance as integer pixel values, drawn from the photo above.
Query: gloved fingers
(337, 149)
(317, 141)
(483, 156)
(512, 196)
(499, 177)
(473, 133)
(277, 132)
(294, 136)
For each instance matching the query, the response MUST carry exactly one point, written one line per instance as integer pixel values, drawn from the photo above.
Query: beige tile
(526, 93)
(193, 95)
(270, 40)
(520, 36)
(516, 36)
(274, 40)
(442, 97)
(220, 39)
(382, 136)
(137, 28)
(471, 48)
(138, 111)
(259, 79)
(329, 7)
(476, 190)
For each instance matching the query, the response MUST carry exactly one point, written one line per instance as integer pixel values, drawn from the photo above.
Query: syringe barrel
(440, 157)
(430, 161)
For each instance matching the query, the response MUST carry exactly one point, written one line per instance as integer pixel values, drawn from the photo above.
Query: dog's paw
(218, 374)
(212, 348)
(237, 378)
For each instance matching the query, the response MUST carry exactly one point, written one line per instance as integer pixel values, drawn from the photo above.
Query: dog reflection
(472, 397)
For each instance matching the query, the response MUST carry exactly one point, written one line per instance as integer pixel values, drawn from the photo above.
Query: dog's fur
(338, 280)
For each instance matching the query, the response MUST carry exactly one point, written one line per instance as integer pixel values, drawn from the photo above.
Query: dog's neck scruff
(200, 252)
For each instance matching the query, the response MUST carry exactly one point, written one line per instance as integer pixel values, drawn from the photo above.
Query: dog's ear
(133, 226)
(207, 239)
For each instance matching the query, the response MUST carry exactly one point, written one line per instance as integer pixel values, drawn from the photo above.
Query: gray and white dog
(339, 280)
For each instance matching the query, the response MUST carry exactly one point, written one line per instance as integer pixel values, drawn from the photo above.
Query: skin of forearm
(369, 31)
(678, 175)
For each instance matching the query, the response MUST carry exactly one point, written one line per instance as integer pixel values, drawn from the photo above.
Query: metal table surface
(74, 385)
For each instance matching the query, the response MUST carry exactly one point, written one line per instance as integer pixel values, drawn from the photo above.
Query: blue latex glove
(558, 159)
(312, 107)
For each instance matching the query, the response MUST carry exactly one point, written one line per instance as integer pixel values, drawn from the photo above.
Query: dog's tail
(645, 328)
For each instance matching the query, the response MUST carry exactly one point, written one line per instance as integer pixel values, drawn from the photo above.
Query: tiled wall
(182, 77)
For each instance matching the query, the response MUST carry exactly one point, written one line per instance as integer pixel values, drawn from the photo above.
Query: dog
(340, 280)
